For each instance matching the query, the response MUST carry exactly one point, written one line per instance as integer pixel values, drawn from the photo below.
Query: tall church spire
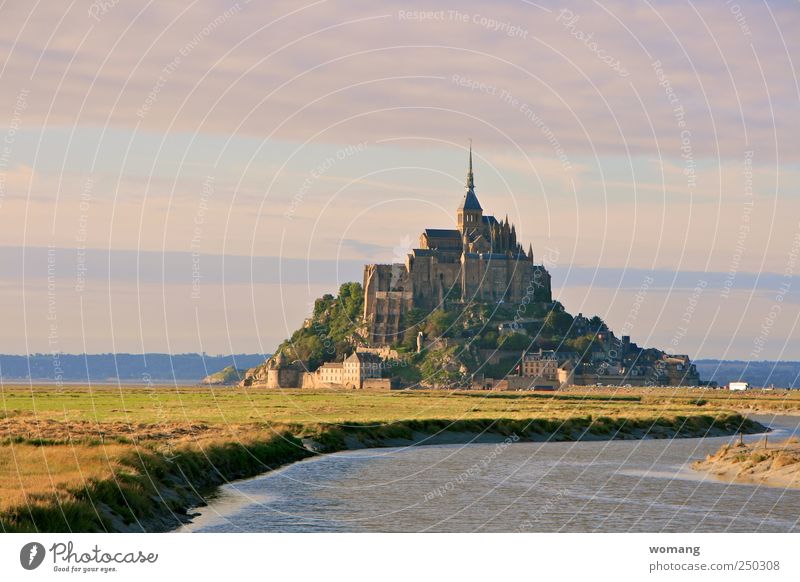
(470, 213)
(470, 178)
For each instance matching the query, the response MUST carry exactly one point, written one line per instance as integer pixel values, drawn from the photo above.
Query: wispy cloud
(354, 70)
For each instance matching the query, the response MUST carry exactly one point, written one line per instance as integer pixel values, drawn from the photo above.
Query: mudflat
(774, 464)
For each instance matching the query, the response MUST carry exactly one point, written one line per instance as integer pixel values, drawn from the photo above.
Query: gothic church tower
(470, 213)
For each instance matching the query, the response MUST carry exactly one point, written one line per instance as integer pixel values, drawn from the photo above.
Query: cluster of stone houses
(548, 369)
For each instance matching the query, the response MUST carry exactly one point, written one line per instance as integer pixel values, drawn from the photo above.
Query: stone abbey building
(480, 260)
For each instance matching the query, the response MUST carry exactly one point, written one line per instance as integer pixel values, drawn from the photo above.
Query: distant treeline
(781, 374)
(123, 367)
(194, 367)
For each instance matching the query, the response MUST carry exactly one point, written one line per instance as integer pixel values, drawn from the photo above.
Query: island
(470, 308)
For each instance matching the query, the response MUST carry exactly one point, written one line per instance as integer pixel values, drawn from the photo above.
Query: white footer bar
(353, 557)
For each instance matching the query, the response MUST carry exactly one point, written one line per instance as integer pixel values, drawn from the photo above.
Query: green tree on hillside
(557, 322)
(596, 323)
(440, 323)
(514, 341)
(330, 334)
(413, 322)
(584, 345)
(488, 340)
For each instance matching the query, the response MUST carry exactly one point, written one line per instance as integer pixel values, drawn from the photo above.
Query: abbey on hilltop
(469, 308)
(481, 261)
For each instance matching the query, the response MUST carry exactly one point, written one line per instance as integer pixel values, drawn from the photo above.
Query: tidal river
(613, 486)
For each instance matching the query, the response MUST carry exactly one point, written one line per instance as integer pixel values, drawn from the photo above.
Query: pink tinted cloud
(350, 71)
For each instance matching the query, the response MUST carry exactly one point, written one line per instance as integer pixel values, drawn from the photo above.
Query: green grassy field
(134, 405)
(65, 447)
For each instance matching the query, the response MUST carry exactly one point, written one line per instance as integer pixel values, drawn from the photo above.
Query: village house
(542, 364)
(331, 372)
(352, 372)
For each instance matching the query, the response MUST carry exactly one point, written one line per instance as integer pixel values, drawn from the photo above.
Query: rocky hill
(478, 340)
(227, 376)
(330, 334)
